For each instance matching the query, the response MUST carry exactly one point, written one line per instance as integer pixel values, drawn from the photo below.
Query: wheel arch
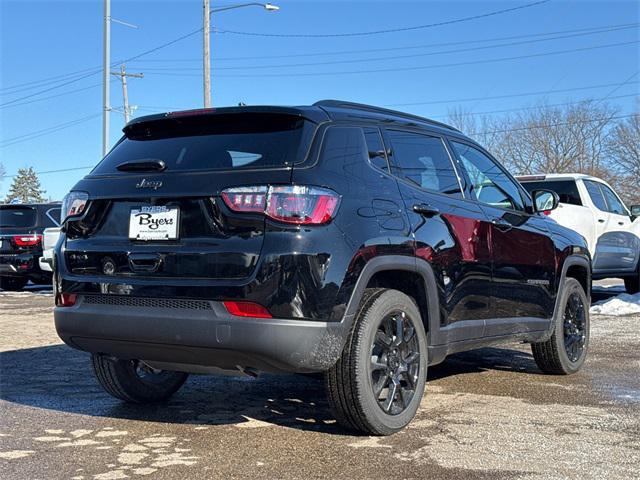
(409, 275)
(578, 267)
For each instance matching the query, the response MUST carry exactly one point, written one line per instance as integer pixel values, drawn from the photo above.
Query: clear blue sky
(39, 40)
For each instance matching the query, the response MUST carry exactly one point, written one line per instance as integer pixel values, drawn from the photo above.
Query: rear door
(606, 251)
(523, 254)
(618, 235)
(158, 207)
(450, 232)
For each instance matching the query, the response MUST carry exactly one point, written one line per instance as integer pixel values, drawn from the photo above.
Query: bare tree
(623, 147)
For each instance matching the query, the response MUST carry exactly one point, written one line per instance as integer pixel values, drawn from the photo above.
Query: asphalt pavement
(486, 414)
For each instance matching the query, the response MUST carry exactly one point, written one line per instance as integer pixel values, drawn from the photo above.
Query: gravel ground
(488, 414)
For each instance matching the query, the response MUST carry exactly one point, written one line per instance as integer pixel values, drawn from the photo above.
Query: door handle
(620, 223)
(501, 224)
(601, 220)
(144, 262)
(426, 210)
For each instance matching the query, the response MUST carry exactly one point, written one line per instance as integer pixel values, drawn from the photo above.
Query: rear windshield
(567, 190)
(17, 217)
(224, 142)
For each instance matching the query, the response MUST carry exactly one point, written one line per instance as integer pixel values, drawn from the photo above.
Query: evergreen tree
(26, 187)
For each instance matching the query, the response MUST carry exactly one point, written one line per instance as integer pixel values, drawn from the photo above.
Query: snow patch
(623, 304)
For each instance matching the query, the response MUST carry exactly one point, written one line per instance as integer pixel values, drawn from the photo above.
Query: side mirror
(635, 212)
(544, 200)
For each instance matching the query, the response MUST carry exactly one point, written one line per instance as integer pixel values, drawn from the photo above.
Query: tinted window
(423, 160)
(489, 184)
(567, 190)
(17, 217)
(207, 142)
(52, 217)
(596, 195)
(376, 148)
(615, 205)
(344, 148)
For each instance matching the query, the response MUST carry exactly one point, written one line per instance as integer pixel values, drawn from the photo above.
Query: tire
(565, 352)
(350, 382)
(12, 284)
(133, 382)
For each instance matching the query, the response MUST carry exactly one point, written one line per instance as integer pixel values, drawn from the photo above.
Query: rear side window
(615, 205)
(424, 161)
(567, 190)
(206, 142)
(18, 217)
(596, 195)
(377, 155)
(52, 217)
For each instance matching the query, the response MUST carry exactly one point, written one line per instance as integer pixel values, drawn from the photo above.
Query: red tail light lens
(66, 299)
(302, 205)
(247, 309)
(73, 204)
(27, 240)
(296, 204)
(245, 199)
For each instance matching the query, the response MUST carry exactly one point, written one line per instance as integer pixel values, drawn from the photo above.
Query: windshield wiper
(142, 166)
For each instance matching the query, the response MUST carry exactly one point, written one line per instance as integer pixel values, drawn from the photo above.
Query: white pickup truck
(50, 237)
(591, 207)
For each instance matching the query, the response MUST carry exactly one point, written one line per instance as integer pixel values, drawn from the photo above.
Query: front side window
(593, 188)
(489, 183)
(615, 205)
(423, 160)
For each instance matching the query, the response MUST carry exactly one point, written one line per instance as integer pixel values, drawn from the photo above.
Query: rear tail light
(66, 299)
(296, 204)
(27, 240)
(73, 204)
(247, 309)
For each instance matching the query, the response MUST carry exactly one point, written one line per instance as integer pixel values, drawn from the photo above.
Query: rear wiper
(142, 166)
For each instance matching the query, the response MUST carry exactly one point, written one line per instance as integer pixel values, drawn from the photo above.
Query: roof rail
(386, 111)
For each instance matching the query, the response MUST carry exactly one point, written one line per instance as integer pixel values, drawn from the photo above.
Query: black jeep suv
(338, 238)
(21, 228)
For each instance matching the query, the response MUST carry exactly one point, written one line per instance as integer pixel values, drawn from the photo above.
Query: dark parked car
(340, 238)
(21, 227)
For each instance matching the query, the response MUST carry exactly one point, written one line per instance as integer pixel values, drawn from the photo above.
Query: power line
(391, 30)
(54, 171)
(46, 131)
(62, 94)
(623, 26)
(577, 102)
(395, 57)
(98, 70)
(414, 68)
(513, 95)
(551, 125)
(77, 79)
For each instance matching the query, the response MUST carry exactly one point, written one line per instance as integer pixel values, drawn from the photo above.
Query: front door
(523, 254)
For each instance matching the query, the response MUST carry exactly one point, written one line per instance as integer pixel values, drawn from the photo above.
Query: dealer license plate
(154, 223)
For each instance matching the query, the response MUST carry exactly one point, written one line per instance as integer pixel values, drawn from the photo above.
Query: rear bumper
(20, 265)
(201, 333)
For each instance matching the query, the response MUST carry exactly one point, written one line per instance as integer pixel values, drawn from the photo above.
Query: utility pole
(106, 39)
(206, 45)
(125, 95)
(206, 62)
